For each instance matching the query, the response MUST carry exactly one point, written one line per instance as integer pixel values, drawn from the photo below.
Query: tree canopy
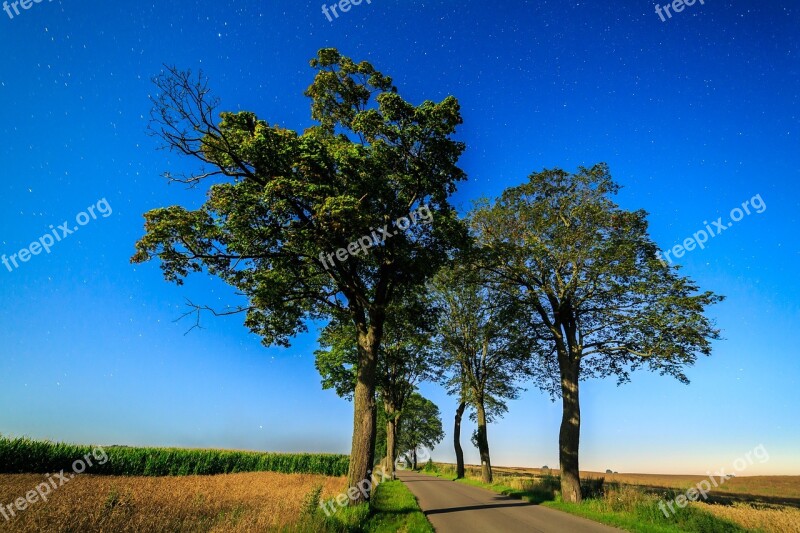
(279, 200)
(600, 301)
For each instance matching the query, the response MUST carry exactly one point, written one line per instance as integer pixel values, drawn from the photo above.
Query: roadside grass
(396, 509)
(625, 507)
(392, 508)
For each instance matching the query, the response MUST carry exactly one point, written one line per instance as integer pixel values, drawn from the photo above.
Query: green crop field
(23, 455)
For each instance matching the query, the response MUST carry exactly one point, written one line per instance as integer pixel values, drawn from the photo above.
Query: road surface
(457, 508)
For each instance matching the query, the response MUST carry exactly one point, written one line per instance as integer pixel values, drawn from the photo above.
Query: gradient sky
(694, 115)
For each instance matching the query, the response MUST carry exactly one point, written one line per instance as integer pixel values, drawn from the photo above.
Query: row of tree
(550, 284)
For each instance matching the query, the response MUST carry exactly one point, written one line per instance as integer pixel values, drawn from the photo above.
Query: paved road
(458, 508)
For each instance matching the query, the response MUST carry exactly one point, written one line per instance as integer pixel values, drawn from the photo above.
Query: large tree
(484, 349)
(600, 301)
(285, 210)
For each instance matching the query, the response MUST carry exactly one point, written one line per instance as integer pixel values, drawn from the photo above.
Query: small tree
(600, 301)
(484, 347)
(420, 426)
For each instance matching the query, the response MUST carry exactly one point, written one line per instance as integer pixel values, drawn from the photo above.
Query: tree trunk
(362, 453)
(414, 458)
(483, 445)
(457, 440)
(407, 460)
(391, 439)
(569, 436)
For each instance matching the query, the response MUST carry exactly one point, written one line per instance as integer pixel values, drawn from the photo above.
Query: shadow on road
(475, 507)
(405, 480)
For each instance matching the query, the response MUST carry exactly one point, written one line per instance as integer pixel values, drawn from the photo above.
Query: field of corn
(23, 455)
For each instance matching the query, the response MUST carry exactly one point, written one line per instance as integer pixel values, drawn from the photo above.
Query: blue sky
(695, 115)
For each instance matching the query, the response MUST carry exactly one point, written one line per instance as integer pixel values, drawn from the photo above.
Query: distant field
(770, 486)
(22, 455)
(770, 489)
(245, 502)
(773, 489)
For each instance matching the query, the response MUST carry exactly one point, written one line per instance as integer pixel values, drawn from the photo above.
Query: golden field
(768, 519)
(767, 488)
(258, 501)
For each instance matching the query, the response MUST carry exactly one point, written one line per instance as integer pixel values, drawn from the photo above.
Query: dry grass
(767, 486)
(770, 520)
(258, 501)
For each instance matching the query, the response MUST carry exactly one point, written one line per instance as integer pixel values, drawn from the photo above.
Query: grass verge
(392, 508)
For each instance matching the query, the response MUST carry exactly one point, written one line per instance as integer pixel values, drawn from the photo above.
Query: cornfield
(24, 455)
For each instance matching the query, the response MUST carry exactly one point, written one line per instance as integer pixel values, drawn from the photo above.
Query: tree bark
(483, 445)
(414, 458)
(391, 439)
(457, 440)
(569, 436)
(362, 452)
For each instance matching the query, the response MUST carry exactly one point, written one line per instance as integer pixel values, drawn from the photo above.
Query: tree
(282, 220)
(484, 348)
(404, 360)
(420, 426)
(407, 360)
(600, 301)
(462, 405)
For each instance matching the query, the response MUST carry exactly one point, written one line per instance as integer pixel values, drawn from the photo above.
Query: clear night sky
(694, 115)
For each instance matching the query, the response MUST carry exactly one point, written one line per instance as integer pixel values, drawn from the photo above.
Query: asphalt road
(458, 508)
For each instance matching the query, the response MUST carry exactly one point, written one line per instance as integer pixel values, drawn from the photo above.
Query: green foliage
(483, 345)
(430, 467)
(311, 501)
(420, 424)
(23, 455)
(587, 271)
(404, 358)
(281, 199)
(592, 487)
